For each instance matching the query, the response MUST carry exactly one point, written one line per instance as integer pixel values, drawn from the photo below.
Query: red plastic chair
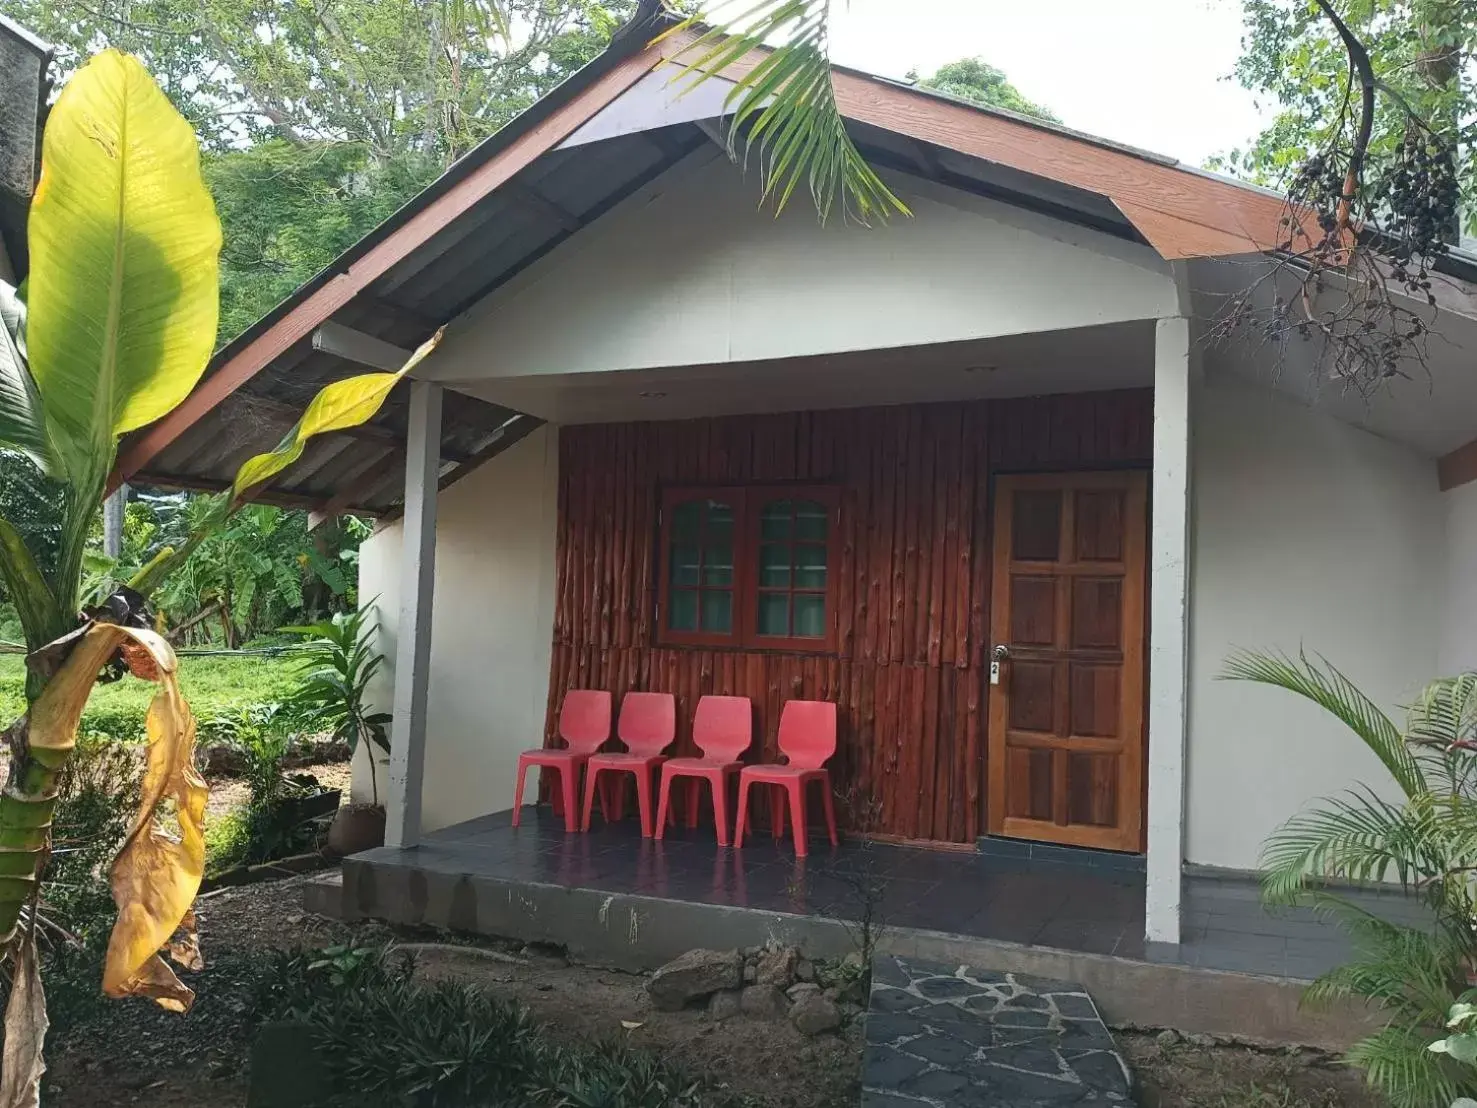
(722, 728)
(584, 723)
(807, 740)
(648, 725)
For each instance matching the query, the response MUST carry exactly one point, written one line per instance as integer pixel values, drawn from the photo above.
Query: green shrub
(451, 1045)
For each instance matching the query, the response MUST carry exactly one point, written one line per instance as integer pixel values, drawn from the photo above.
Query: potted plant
(337, 660)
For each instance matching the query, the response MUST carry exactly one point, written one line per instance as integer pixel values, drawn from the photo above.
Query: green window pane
(687, 521)
(717, 564)
(810, 567)
(682, 611)
(811, 521)
(774, 566)
(774, 521)
(774, 613)
(720, 521)
(718, 611)
(685, 565)
(810, 616)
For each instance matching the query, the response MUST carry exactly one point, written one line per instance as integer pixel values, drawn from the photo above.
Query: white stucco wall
(492, 628)
(1307, 533)
(1459, 611)
(695, 270)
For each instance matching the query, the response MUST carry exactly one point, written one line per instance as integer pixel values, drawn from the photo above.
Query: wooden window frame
(748, 502)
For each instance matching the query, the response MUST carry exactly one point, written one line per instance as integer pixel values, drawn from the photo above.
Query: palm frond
(1395, 1061)
(1327, 687)
(783, 101)
(1415, 973)
(1358, 837)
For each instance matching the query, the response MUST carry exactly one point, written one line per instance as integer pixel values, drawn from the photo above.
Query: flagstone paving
(953, 1035)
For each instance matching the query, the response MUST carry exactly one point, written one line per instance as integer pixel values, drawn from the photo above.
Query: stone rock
(777, 967)
(751, 973)
(1166, 1038)
(833, 993)
(853, 960)
(763, 1002)
(804, 970)
(1202, 1040)
(814, 1014)
(802, 989)
(695, 975)
(723, 1005)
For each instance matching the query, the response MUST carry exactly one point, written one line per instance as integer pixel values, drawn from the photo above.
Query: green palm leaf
(785, 106)
(1334, 692)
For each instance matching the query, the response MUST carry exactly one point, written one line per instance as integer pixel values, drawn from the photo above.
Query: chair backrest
(808, 732)
(723, 727)
(648, 723)
(584, 720)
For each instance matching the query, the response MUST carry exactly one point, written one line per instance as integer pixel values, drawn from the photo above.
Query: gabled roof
(605, 132)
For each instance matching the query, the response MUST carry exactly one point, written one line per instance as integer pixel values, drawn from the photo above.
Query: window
(748, 567)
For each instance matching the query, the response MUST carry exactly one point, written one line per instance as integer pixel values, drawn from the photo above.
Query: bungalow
(978, 476)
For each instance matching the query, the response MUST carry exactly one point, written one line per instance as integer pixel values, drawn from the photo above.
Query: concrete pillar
(115, 508)
(1169, 614)
(413, 635)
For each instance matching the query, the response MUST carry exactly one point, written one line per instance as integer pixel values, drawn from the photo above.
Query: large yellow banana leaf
(339, 406)
(125, 244)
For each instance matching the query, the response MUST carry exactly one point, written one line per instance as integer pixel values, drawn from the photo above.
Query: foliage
(219, 688)
(1426, 841)
(320, 121)
(99, 794)
(394, 1042)
(1460, 1043)
(784, 108)
(270, 828)
(1418, 49)
(336, 664)
(974, 80)
(261, 567)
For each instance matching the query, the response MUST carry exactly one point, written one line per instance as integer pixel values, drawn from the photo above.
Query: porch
(613, 898)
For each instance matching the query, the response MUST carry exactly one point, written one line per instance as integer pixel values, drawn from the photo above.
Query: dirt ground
(137, 1054)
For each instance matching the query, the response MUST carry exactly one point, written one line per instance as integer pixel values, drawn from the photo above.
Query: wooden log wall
(913, 594)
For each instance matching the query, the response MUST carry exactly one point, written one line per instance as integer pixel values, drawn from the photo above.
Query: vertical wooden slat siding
(912, 588)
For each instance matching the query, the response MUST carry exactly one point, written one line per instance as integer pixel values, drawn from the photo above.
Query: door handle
(997, 663)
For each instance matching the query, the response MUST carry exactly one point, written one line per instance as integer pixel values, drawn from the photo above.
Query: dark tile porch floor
(1023, 900)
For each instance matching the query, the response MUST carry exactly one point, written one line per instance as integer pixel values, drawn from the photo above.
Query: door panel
(1067, 738)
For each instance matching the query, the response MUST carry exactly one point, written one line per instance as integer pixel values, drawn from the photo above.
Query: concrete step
(324, 896)
(945, 1034)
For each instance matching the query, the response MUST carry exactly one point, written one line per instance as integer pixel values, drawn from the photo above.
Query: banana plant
(114, 330)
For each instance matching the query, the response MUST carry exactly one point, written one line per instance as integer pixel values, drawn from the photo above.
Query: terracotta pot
(356, 827)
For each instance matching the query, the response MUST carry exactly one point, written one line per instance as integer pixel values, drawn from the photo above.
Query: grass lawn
(212, 686)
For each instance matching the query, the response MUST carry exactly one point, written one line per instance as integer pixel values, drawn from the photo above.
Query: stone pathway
(961, 1037)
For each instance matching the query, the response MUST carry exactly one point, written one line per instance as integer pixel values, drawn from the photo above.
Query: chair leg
(592, 776)
(743, 813)
(797, 816)
(719, 785)
(777, 811)
(518, 791)
(663, 805)
(643, 800)
(830, 809)
(569, 776)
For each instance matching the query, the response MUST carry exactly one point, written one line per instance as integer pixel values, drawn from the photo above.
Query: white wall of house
(492, 628)
(1459, 610)
(695, 270)
(1307, 533)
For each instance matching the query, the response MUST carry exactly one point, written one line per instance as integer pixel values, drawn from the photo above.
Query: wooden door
(1067, 737)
